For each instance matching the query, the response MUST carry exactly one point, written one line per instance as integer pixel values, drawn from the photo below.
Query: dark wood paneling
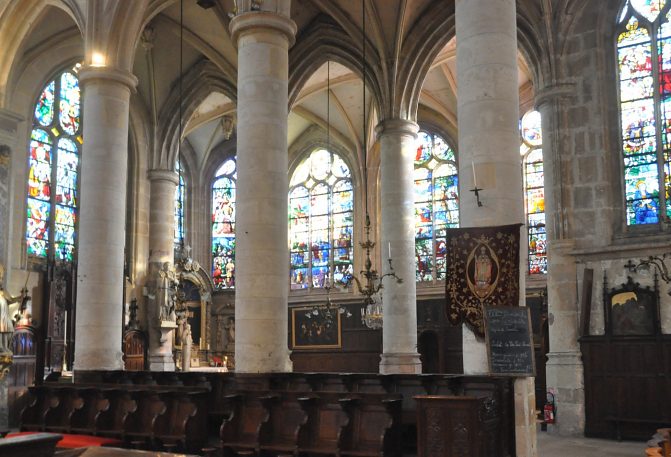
(626, 384)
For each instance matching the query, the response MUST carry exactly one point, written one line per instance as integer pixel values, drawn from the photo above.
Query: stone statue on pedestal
(166, 290)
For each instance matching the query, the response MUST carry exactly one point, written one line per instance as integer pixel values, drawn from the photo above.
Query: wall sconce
(227, 125)
(643, 266)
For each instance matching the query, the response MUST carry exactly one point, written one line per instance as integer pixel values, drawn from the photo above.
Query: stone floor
(553, 446)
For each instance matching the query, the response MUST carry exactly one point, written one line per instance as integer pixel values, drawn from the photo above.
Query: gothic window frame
(181, 192)
(435, 239)
(55, 132)
(532, 145)
(345, 269)
(227, 271)
(637, 206)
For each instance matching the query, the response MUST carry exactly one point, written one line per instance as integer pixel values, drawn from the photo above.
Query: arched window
(321, 205)
(644, 63)
(436, 205)
(223, 226)
(53, 174)
(534, 191)
(180, 196)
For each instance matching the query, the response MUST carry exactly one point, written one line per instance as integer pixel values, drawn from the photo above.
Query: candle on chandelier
(475, 181)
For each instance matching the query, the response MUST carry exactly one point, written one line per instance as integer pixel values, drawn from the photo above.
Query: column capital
(163, 175)
(259, 20)
(397, 127)
(90, 73)
(554, 91)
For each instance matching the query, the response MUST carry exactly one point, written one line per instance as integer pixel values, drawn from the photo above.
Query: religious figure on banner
(482, 271)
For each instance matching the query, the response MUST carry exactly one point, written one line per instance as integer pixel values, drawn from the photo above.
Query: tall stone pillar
(102, 217)
(399, 332)
(161, 250)
(488, 117)
(262, 255)
(564, 368)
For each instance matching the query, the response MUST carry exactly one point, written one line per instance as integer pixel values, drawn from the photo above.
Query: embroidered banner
(483, 268)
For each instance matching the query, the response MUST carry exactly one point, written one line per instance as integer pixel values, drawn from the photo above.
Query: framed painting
(315, 328)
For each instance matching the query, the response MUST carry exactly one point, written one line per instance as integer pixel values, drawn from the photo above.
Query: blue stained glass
(321, 207)
(436, 202)
(44, 109)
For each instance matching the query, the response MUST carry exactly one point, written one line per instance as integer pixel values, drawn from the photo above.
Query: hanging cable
(180, 190)
(365, 145)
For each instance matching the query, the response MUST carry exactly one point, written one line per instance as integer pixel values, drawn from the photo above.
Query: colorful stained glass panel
(531, 128)
(320, 220)
(69, 104)
(649, 9)
(44, 110)
(223, 226)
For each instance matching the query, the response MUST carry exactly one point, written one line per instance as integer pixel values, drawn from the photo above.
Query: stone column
(102, 217)
(9, 125)
(488, 117)
(262, 255)
(564, 368)
(161, 250)
(399, 332)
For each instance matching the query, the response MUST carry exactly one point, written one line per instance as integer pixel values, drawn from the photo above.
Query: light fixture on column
(655, 261)
(371, 282)
(227, 126)
(476, 190)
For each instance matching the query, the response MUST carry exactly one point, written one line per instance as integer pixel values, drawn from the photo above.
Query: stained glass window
(321, 221)
(534, 191)
(644, 63)
(180, 192)
(436, 205)
(223, 226)
(53, 169)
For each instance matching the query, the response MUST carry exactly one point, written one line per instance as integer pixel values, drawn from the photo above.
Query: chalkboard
(509, 341)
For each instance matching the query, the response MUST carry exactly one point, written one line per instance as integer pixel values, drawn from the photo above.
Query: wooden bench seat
(280, 433)
(240, 431)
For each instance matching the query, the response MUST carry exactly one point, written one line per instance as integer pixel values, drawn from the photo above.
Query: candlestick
(475, 181)
(389, 245)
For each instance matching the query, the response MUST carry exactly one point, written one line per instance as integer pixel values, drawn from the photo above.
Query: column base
(564, 377)
(161, 362)
(400, 363)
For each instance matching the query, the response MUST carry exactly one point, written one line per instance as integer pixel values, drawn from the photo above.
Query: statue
(186, 346)
(6, 318)
(166, 289)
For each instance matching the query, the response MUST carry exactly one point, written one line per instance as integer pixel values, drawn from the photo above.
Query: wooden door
(134, 350)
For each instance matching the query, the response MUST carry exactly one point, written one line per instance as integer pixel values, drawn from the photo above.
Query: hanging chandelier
(327, 313)
(371, 283)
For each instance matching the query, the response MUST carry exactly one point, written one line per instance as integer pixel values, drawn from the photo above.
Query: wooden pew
(110, 421)
(184, 423)
(41, 401)
(57, 419)
(322, 434)
(83, 420)
(240, 431)
(279, 435)
(138, 425)
(374, 426)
